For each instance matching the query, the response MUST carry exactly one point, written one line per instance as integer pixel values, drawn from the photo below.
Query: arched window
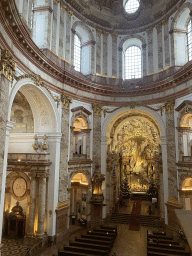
(189, 40)
(132, 6)
(132, 62)
(77, 53)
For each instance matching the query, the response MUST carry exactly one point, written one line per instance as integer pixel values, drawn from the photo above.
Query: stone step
(163, 241)
(160, 237)
(68, 253)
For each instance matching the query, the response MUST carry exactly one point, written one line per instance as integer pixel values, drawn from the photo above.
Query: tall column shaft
(114, 55)
(171, 151)
(150, 50)
(97, 133)
(105, 53)
(166, 43)
(160, 47)
(42, 204)
(32, 205)
(98, 52)
(68, 37)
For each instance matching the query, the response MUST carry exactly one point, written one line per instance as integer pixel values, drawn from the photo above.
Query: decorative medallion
(19, 187)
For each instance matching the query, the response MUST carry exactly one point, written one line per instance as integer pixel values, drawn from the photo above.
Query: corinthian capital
(97, 109)
(7, 65)
(66, 101)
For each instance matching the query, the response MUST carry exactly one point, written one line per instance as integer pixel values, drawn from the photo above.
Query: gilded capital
(169, 106)
(63, 7)
(43, 175)
(69, 12)
(66, 101)
(99, 32)
(8, 65)
(57, 1)
(97, 109)
(114, 35)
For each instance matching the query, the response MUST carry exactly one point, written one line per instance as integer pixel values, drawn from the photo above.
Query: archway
(145, 129)
(187, 193)
(33, 111)
(79, 196)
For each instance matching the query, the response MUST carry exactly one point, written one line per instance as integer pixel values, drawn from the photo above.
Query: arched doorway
(79, 196)
(32, 111)
(187, 193)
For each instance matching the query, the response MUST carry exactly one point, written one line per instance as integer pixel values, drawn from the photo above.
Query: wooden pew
(90, 236)
(86, 250)
(99, 242)
(90, 245)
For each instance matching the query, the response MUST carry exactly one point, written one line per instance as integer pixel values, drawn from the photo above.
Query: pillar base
(41, 236)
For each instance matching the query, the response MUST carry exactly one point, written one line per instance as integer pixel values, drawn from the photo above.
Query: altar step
(124, 218)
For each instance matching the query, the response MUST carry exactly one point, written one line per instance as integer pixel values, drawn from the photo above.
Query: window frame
(189, 44)
(131, 13)
(80, 47)
(141, 65)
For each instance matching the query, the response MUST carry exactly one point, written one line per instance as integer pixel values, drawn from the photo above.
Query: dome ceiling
(112, 15)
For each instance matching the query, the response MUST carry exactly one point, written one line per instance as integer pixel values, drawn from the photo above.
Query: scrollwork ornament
(8, 65)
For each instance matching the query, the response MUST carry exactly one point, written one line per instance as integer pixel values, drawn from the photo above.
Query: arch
(129, 37)
(45, 113)
(82, 171)
(120, 112)
(84, 27)
(187, 184)
(177, 21)
(87, 46)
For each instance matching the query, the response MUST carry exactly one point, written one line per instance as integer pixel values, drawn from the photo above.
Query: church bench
(160, 237)
(160, 254)
(106, 234)
(68, 253)
(89, 245)
(90, 236)
(109, 227)
(167, 251)
(168, 246)
(113, 231)
(99, 242)
(162, 241)
(86, 250)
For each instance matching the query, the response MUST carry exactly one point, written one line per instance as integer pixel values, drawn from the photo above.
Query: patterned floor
(13, 247)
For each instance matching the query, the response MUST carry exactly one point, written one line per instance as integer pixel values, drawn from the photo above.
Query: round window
(132, 6)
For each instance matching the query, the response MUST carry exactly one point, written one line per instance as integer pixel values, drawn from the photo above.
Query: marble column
(165, 191)
(171, 151)
(144, 54)
(114, 55)
(120, 49)
(32, 205)
(7, 74)
(93, 43)
(97, 109)
(160, 46)
(68, 37)
(61, 31)
(150, 50)
(42, 203)
(98, 52)
(105, 53)
(166, 43)
(180, 144)
(56, 7)
(63, 171)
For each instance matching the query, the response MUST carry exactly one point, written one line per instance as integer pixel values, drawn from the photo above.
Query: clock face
(19, 187)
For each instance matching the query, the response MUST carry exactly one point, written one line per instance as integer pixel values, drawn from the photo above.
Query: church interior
(95, 127)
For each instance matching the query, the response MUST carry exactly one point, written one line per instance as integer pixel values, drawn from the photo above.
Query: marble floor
(13, 247)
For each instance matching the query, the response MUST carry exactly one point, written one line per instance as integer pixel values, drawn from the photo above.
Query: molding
(43, 9)
(81, 108)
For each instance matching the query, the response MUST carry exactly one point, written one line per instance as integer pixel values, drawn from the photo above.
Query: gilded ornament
(57, 1)
(37, 79)
(66, 101)
(36, 145)
(97, 109)
(44, 144)
(169, 106)
(69, 12)
(8, 65)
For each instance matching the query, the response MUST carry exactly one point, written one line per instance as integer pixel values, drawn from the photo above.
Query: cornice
(61, 71)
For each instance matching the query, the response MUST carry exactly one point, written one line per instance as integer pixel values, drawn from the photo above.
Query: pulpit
(16, 222)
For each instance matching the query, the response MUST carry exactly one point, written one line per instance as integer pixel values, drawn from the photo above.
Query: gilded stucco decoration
(8, 65)
(66, 101)
(37, 79)
(97, 109)
(134, 149)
